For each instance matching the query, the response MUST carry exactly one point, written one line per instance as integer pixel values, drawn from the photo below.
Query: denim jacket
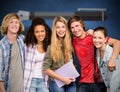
(107, 76)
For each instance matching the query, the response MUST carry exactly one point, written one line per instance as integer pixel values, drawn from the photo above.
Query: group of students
(28, 64)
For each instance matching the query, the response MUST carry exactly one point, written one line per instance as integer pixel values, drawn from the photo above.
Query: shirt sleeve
(47, 60)
(0, 63)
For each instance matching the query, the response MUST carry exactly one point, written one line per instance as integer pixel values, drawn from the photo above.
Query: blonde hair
(56, 51)
(5, 23)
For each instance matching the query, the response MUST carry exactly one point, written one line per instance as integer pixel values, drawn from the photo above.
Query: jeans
(38, 85)
(90, 87)
(67, 88)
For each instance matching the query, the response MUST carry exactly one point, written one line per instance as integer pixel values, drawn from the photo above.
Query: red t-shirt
(84, 49)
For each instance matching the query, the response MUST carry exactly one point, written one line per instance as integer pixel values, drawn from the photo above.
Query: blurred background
(110, 14)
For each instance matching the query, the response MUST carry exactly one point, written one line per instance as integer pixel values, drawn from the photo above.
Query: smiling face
(40, 33)
(60, 29)
(77, 29)
(99, 39)
(13, 26)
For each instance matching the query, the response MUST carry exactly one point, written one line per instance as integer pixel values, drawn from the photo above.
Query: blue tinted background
(113, 11)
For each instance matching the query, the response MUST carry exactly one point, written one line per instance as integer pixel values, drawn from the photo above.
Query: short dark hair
(103, 29)
(75, 18)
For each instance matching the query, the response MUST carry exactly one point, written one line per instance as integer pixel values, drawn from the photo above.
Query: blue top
(108, 76)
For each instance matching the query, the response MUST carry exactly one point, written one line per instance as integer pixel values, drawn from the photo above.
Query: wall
(113, 6)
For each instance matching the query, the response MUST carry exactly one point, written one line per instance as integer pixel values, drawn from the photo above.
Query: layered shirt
(5, 55)
(33, 66)
(111, 79)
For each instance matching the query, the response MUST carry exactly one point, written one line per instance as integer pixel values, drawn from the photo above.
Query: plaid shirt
(29, 66)
(4, 57)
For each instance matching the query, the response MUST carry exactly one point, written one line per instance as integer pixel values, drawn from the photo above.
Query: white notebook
(67, 70)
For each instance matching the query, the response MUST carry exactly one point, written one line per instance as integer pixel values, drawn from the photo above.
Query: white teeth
(97, 43)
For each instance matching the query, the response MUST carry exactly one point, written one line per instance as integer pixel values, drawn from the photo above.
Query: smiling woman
(110, 75)
(37, 39)
(58, 54)
(60, 29)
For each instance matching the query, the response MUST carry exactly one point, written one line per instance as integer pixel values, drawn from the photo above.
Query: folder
(67, 70)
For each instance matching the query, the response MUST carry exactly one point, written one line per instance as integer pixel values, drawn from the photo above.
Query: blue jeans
(67, 88)
(89, 87)
(38, 85)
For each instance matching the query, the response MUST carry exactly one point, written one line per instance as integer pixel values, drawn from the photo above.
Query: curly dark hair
(30, 39)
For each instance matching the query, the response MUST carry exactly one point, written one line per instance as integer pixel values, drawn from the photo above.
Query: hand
(90, 32)
(68, 80)
(112, 65)
(2, 89)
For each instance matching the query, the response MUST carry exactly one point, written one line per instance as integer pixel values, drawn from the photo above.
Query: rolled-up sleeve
(1, 64)
(47, 60)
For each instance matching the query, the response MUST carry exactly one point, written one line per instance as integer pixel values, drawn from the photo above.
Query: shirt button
(105, 79)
